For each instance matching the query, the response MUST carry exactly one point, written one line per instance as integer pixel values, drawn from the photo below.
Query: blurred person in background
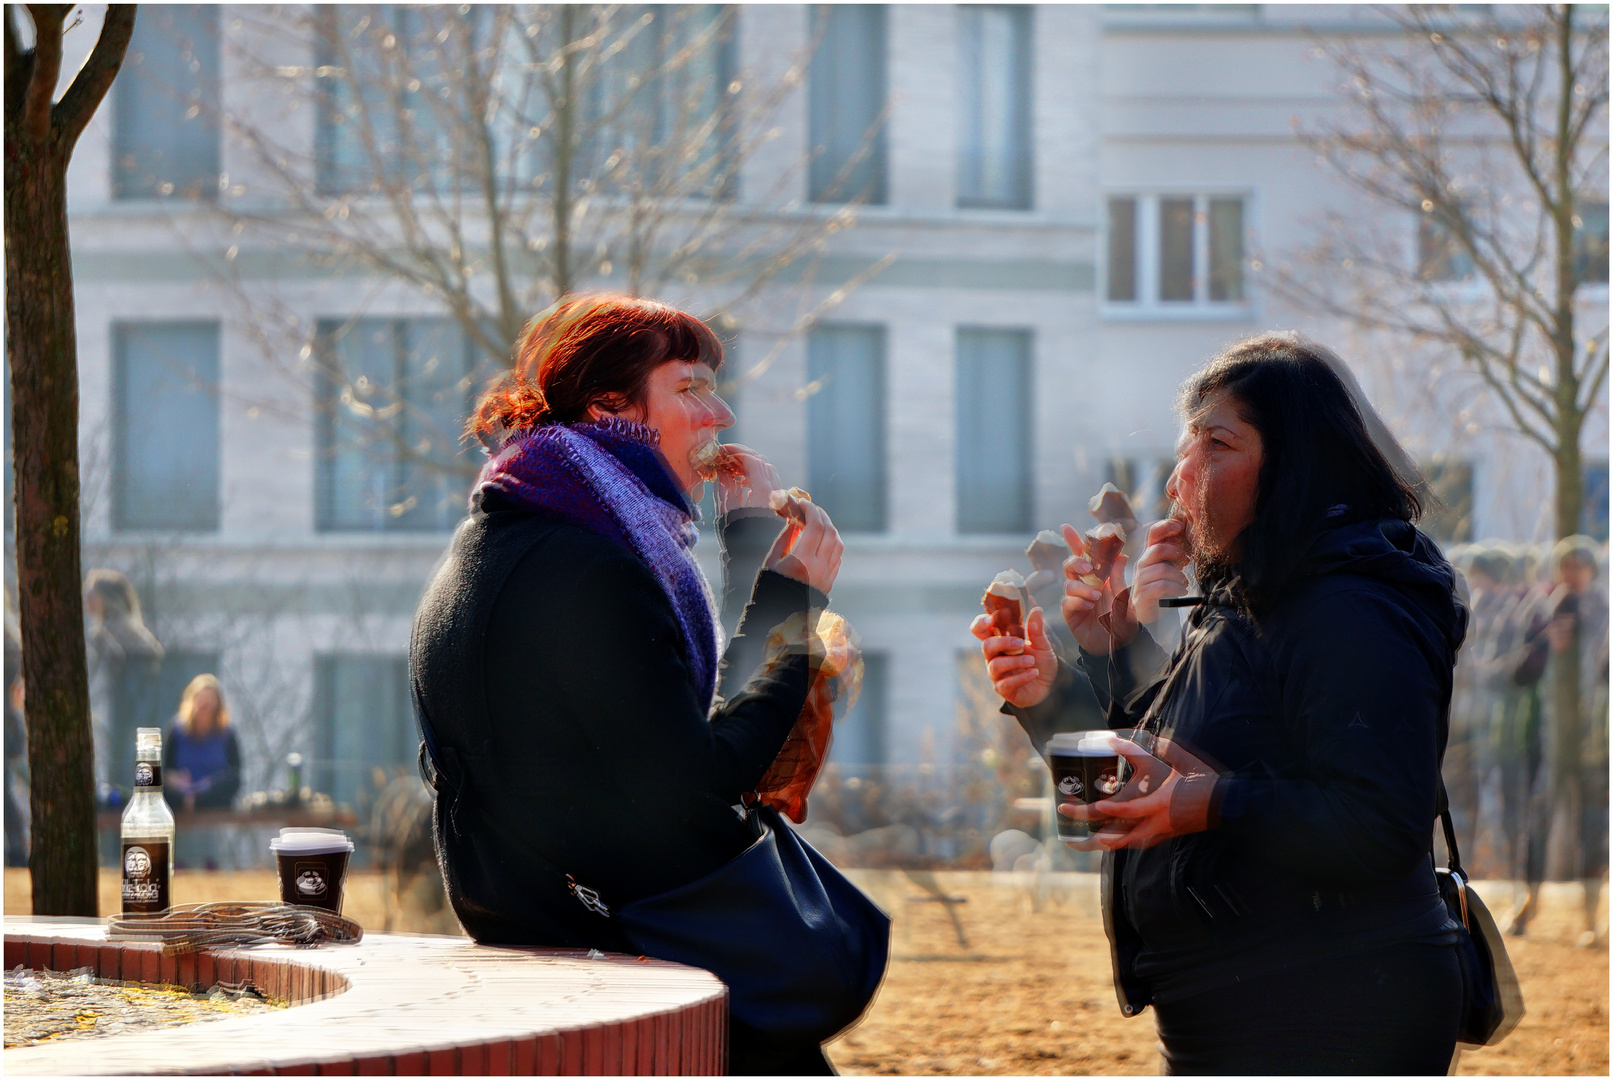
(1567, 643)
(201, 758)
(123, 660)
(17, 808)
(565, 658)
(1268, 886)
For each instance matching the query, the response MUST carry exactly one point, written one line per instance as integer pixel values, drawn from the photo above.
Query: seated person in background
(201, 760)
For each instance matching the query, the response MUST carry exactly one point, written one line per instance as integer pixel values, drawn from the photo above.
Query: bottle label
(145, 877)
(148, 774)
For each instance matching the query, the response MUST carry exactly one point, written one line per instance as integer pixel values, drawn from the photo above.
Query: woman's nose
(722, 415)
(1173, 483)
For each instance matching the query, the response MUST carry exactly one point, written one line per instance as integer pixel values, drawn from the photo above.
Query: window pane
(847, 102)
(393, 395)
(994, 106)
(1593, 510)
(1226, 250)
(1123, 249)
(1451, 483)
(1176, 249)
(994, 431)
(861, 744)
(165, 475)
(1439, 256)
(846, 424)
(1590, 243)
(165, 105)
(363, 721)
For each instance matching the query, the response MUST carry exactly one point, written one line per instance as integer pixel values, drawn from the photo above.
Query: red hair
(587, 350)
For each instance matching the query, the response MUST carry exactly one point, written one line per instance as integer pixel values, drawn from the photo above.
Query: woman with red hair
(565, 658)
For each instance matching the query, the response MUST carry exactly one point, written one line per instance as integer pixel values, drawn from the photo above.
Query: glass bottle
(148, 832)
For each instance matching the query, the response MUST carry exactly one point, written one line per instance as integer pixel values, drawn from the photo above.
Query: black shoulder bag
(1492, 1003)
(801, 949)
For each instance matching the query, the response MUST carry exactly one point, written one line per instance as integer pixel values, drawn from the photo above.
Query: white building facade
(1071, 205)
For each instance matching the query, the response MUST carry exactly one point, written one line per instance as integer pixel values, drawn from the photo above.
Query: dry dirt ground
(988, 978)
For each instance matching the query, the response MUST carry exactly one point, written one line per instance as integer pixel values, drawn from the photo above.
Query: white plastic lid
(1083, 742)
(311, 841)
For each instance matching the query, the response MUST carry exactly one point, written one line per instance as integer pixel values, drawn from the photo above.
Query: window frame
(1146, 255)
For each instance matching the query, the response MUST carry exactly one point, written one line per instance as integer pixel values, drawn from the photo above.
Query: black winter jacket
(1328, 720)
(548, 665)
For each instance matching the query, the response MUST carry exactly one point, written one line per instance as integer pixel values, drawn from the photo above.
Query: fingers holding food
(1104, 544)
(1007, 604)
(1048, 551)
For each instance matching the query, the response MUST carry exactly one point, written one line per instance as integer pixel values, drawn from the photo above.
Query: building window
(165, 129)
(1450, 519)
(166, 427)
(392, 397)
(1440, 254)
(1593, 508)
(1590, 242)
(994, 106)
(994, 430)
(363, 722)
(846, 104)
(846, 424)
(1171, 252)
(861, 740)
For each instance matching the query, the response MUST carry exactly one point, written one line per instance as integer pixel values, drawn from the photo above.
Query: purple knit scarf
(610, 478)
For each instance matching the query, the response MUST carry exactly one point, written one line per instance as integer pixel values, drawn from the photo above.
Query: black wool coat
(1327, 719)
(549, 675)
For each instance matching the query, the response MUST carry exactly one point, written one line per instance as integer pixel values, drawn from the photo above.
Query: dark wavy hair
(1327, 459)
(584, 350)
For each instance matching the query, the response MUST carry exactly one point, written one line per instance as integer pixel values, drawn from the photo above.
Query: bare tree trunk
(42, 348)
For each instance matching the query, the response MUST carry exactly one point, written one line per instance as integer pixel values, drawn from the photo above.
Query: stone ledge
(393, 1004)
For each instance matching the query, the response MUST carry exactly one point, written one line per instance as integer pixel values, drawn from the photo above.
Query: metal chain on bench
(185, 928)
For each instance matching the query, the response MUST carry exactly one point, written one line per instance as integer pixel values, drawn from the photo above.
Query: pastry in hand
(1111, 504)
(782, 502)
(715, 458)
(1104, 543)
(1048, 551)
(1007, 602)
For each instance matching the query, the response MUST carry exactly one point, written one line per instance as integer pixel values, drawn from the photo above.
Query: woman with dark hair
(1268, 886)
(565, 658)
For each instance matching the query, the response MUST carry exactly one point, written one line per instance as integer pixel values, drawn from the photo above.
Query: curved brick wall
(393, 1005)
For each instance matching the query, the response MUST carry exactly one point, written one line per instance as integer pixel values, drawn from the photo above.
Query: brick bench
(393, 1004)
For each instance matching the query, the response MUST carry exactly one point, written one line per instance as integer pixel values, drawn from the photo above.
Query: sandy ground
(990, 978)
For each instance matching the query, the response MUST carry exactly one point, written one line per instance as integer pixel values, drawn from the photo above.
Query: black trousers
(1391, 1011)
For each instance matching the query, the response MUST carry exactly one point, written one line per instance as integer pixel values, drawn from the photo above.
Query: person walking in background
(1268, 886)
(201, 758)
(17, 808)
(123, 660)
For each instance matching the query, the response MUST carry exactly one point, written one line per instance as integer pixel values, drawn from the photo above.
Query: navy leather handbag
(1492, 1002)
(801, 949)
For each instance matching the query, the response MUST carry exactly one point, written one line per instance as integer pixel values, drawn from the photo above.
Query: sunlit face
(1216, 483)
(204, 712)
(681, 402)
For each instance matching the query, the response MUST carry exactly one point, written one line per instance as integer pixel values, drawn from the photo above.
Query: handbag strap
(1453, 854)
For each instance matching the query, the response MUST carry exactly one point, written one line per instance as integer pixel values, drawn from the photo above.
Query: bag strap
(1453, 854)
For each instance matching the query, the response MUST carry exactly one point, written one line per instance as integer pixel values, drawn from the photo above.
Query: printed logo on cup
(136, 863)
(144, 775)
(1108, 782)
(310, 882)
(1070, 785)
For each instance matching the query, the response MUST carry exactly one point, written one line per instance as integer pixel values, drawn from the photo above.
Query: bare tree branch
(94, 79)
(47, 68)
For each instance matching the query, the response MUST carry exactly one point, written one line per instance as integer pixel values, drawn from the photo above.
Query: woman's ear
(598, 412)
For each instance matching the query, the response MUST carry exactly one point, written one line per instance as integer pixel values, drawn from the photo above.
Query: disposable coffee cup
(313, 866)
(1086, 769)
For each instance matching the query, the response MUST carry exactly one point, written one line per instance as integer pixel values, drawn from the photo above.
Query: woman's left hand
(1168, 795)
(809, 548)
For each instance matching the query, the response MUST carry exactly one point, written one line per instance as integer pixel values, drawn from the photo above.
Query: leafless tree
(495, 158)
(1486, 134)
(40, 134)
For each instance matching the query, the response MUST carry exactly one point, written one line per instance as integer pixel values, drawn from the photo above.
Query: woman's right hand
(1021, 671)
(809, 548)
(1084, 606)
